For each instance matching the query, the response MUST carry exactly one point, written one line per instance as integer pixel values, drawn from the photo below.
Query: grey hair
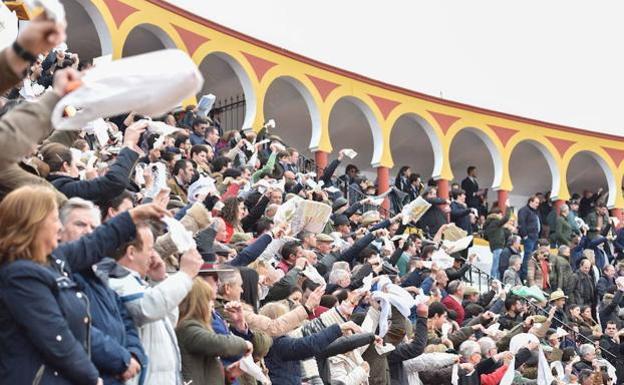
(486, 344)
(468, 348)
(454, 286)
(562, 248)
(564, 207)
(228, 277)
(337, 275)
(586, 349)
(76, 203)
(589, 252)
(514, 239)
(514, 259)
(341, 265)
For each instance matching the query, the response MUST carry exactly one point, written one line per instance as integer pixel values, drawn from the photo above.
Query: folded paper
(414, 210)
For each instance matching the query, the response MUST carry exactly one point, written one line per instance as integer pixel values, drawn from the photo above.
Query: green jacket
(563, 232)
(592, 222)
(494, 231)
(201, 348)
(560, 274)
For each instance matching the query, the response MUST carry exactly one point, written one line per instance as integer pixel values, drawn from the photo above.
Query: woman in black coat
(44, 317)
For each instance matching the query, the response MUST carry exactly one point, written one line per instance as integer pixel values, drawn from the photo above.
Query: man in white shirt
(154, 308)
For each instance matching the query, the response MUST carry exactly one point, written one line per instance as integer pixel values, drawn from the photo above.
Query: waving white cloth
(149, 84)
(389, 294)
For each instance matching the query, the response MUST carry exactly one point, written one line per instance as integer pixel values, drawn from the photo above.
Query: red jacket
(283, 266)
(495, 377)
(452, 304)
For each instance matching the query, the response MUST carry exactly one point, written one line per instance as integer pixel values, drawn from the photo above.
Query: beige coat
(277, 327)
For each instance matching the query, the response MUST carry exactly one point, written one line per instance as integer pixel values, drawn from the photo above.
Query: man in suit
(471, 187)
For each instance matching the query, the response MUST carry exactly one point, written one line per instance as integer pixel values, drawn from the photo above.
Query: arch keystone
(444, 121)
(615, 154)
(503, 133)
(561, 145)
(324, 87)
(385, 105)
(119, 10)
(259, 65)
(191, 40)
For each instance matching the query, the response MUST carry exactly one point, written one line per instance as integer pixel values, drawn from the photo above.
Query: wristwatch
(22, 53)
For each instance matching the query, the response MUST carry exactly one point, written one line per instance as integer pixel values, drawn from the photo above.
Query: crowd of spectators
(96, 289)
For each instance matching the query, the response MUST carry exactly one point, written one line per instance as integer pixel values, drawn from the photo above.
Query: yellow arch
(501, 180)
(559, 189)
(433, 131)
(606, 163)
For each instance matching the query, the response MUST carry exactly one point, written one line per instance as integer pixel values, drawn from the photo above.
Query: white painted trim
(611, 182)
(372, 123)
(497, 160)
(313, 111)
(250, 96)
(555, 173)
(104, 35)
(434, 141)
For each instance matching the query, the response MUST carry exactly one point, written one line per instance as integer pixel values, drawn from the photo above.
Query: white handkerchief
(421, 298)
(139, 179)
(446, 328)
(76, 154)
(159, 171)
(492, 329)
(205, 104)
(181, 237)
(53, 8)
(367, 283)
(161, 128)
(311, 273)
(561, 332)
(92, 160)
(332, 190)
(350, 153)
(270, 123)
(102, 59)
(101, 133)
(248, 366)
(203, 185)
(384, 349)
(149, 84)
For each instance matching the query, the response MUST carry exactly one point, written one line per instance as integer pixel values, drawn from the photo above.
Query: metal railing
(478, 278)
(229, 113)
(354, 195)
(306, 165)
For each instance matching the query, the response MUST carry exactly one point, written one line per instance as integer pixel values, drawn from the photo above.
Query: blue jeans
(529, 248)
(495, 262)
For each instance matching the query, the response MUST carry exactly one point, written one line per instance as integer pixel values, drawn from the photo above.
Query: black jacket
(104, 188)
(503, 263)
(528, 223)
(405, 351)
(471, 188)
(460, 215)
(433, 218)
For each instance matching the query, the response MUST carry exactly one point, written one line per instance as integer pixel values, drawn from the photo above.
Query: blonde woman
(200, 346)
(44, 317)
